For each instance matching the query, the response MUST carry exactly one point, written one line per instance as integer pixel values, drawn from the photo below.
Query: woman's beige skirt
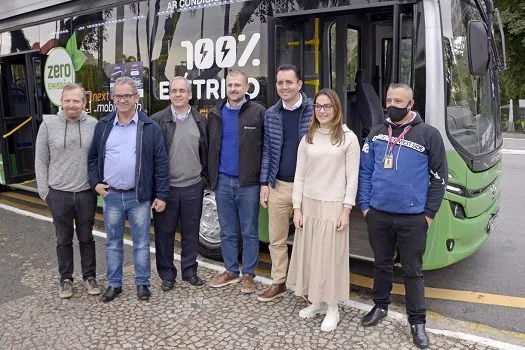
(319, 267)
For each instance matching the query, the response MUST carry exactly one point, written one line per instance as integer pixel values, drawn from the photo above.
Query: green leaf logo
(77, 56)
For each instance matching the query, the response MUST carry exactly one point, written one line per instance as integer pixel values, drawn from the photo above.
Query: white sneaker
(331, 319)
(313, 310)
(92, 286)
(65, 290)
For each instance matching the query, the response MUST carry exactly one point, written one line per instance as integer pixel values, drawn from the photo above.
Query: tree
(513, 18)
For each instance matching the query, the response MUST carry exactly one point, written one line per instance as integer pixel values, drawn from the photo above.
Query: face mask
(397, 114)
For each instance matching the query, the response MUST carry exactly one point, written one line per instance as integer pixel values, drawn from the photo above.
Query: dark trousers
(78, 209)
(409, 234)
(184, 204)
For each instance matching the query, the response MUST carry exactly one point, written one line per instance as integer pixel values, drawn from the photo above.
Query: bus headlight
(457, 210)
(450, 244)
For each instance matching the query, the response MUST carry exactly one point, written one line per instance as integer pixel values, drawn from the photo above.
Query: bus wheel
(210, 231)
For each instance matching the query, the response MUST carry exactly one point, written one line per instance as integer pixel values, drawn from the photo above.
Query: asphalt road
(16, 255)
(498, 267)
(33, 317)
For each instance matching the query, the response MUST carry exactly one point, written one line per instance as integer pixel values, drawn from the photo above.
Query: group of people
(296, 158)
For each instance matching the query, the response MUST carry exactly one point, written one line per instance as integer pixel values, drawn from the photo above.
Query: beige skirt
(319, 267)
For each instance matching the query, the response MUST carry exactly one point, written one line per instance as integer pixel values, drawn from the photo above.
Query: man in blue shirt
(128, 166)
(235, 131)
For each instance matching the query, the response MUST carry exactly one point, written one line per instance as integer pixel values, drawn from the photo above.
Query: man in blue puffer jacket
(285, 123)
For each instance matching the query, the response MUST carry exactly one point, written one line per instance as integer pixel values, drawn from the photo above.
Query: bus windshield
(472, 112)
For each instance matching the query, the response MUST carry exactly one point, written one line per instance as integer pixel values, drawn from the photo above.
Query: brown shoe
(224, 279)
(248, 286)
(275, 291)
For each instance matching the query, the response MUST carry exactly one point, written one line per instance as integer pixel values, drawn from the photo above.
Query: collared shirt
(121, 154)
(237, 106)
(178, 116)
(295, 106)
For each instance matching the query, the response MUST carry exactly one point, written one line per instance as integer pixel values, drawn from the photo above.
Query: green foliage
(513, 18)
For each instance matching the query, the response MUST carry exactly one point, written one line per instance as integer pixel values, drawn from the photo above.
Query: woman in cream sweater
(324, 192)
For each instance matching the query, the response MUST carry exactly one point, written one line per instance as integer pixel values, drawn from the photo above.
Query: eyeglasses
(123, 97)
(179, 91)
(327, 107)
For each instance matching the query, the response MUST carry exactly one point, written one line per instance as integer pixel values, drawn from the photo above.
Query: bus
(449, 51)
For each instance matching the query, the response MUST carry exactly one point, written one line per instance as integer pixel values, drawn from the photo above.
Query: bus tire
(210, 231)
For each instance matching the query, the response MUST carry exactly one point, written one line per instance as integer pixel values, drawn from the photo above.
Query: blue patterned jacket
(273, 137)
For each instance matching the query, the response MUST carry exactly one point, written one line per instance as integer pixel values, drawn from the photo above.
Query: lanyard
(397, 139)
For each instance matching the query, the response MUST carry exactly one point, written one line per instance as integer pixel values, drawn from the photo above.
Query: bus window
(405, 55)
(288, 47)
(110, 41)
(471, 100)
(20, 40)
(352, 54)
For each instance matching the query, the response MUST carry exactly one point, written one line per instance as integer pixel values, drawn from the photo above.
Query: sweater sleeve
(298, 184)
(437, 167)
(42, 158)
(351, 169)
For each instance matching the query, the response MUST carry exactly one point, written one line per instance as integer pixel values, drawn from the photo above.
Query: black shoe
(110, 293)
(374, 316)
(143, 293)
(419, 335)
(194, 280)
(167, 285)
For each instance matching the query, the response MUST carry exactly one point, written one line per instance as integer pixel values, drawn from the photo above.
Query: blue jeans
(238, 204)
(118, 206)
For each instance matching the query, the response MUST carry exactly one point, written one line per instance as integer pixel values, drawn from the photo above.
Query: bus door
(327, 50)
(20, 114)
(305, 42)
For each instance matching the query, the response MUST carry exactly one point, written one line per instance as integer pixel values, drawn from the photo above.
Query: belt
(113, 189)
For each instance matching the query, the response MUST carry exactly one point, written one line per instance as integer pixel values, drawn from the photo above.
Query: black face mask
(397, 114)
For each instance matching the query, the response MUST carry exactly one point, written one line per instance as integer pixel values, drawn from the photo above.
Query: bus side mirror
(478, 48)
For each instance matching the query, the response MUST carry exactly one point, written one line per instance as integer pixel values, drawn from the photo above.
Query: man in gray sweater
(184, 132)
(62, 148)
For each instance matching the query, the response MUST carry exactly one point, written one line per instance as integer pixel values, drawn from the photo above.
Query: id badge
(389, 161)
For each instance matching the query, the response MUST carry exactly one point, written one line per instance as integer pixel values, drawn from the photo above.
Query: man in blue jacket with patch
(402, 180)
(128, 167)
(285, 123)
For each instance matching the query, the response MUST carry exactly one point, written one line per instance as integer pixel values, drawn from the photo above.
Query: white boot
(331, 319)
(313, 310)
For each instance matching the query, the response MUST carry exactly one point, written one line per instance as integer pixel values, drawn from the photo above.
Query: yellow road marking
(448, 294)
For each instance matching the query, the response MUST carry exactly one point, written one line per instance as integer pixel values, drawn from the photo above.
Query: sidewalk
(186, 318)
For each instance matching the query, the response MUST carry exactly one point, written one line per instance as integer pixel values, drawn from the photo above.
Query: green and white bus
(446, 50)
